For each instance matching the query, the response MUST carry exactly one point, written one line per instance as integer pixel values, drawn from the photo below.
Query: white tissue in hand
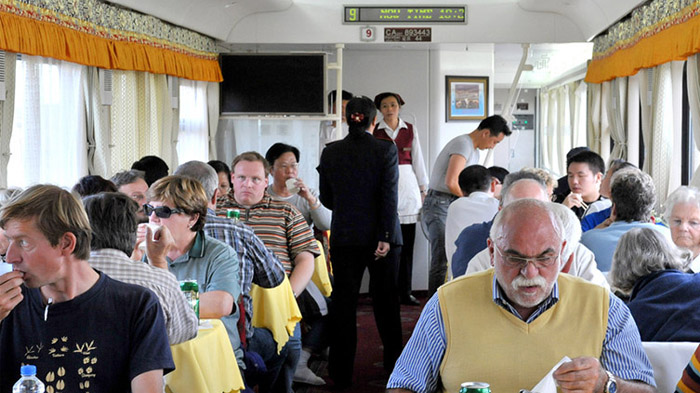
(547, 384)
(5, 268)
(154, 227)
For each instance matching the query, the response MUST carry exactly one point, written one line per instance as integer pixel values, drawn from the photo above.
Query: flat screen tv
(291, 84)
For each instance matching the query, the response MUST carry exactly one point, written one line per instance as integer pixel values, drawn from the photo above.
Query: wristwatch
(611, 385)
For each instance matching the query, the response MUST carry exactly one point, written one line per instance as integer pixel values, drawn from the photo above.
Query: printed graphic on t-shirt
(76, 358)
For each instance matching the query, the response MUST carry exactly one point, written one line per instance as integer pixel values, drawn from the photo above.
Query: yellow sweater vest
(486, 343)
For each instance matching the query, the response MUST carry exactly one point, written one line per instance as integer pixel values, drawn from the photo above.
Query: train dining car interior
(88, 87)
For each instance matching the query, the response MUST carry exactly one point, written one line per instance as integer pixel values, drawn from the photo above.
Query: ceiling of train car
(218, 18)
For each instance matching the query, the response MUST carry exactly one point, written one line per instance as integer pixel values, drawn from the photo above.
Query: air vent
(2, 75)
(174, 91)
(105, 86)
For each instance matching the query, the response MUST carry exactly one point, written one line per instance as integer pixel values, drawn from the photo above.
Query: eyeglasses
(284, 167)
(520, 263)
(161, 211)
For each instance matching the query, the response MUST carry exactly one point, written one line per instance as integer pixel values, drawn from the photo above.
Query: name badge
(406, 149)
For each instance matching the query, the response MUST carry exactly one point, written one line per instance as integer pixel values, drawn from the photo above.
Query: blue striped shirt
(418, 367)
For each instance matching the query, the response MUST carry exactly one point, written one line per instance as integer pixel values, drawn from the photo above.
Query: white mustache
(521, 281)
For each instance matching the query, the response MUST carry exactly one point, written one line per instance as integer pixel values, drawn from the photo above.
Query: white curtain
(7, 112)
(693, 71)
(580, 115)
(213, 109)
(605, 106)
(617, 116)
(646, 84)
(48, 143)
(563, 114)
(633, 113)
(99, 136)
(193, 137)
(544, 130)
(595, 93)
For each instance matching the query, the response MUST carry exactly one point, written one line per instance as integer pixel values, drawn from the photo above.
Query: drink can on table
(191, 291)
(475, 387)
(234, 214)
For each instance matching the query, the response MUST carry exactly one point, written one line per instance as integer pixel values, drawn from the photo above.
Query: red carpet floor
(370, 376)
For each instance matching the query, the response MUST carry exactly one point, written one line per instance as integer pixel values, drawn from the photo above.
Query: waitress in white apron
(413, 181)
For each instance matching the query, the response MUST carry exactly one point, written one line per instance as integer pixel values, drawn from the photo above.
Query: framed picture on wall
(466, 97)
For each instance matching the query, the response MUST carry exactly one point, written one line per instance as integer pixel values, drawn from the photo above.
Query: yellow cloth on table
(205, 364)
(276, 310)
(320, 276)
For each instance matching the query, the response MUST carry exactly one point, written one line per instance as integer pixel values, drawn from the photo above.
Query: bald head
(522, 189)
(524, 213)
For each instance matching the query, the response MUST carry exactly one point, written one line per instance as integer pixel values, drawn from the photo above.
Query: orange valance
(72, 36)
(662, 31)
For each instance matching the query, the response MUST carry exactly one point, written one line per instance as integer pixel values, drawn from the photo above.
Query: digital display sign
(387, 14)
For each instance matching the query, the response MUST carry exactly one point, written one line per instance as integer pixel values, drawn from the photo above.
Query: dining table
(206, 363)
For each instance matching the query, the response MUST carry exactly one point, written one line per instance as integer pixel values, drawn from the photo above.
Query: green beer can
(475, 387)
(191, 291)
(234, 214)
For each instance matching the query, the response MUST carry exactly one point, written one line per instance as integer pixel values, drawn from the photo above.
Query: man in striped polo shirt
(282, 229)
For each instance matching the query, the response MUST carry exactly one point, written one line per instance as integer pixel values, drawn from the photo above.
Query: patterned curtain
(657, 164)
(141, 119)
(655, 33)
(96, 33)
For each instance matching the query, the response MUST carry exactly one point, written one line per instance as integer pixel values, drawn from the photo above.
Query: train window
(48, 142)
(193, 137)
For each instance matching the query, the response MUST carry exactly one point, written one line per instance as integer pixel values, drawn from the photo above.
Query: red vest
(403, 142)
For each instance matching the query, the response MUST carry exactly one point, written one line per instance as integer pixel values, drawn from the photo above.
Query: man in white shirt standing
(478, 205)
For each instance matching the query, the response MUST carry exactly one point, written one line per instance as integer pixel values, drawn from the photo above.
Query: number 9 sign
(367, 33)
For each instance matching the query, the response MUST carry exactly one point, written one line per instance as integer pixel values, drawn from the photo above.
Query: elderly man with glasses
(508, 326)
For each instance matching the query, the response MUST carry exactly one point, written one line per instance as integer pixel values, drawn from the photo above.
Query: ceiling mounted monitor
(273, 84)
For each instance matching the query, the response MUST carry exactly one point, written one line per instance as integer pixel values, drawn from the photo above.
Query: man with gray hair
(113, 220)
(577, 260)
(257, 264)
(133, 183)
(633, 197)
(472, 239)
(524, 315)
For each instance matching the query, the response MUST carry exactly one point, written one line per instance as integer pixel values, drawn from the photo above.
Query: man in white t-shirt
(478, 205)
(444, 187)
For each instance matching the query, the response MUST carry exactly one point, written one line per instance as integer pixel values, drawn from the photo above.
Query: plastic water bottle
(29, 383)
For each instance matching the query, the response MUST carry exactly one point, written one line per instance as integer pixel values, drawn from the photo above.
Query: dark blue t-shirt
(470, 242)
(96, 342)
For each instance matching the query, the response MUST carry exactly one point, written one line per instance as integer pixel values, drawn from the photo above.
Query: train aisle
(369, 373)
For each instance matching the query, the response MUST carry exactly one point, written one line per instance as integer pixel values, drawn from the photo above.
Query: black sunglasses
(161, 211)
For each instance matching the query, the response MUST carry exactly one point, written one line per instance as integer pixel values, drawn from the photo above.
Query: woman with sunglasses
(177, 207)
